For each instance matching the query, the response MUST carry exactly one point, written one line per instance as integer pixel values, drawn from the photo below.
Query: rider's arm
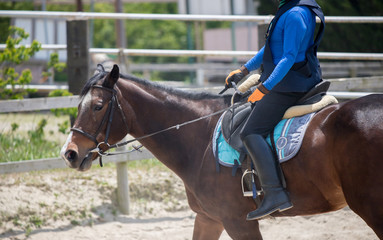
(256, 61)
(294, 32)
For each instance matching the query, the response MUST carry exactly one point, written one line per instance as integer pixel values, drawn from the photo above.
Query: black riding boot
(275, 196)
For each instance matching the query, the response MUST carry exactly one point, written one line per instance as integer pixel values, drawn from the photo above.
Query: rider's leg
(263, 118)
(275, 196)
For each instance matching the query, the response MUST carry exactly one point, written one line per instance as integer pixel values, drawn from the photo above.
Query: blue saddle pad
(288, 136)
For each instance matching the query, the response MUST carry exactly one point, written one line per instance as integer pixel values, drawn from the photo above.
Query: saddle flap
(233, 121)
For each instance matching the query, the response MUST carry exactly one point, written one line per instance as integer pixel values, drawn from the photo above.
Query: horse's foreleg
(206, 228)
(242, 229)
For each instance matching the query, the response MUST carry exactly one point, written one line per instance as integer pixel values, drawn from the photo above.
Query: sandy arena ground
(65, 204)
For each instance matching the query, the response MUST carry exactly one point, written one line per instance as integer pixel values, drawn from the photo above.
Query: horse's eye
(98, 107)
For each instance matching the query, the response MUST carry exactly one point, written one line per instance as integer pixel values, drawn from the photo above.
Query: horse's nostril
(70, 155)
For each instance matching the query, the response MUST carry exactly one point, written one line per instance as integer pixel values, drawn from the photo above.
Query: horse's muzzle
(72, 157)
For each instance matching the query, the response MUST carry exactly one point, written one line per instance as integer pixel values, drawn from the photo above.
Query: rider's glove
(258, 93)
(236, 76)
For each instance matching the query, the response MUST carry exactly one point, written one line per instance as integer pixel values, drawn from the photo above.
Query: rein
(177, 126)
(102, 147)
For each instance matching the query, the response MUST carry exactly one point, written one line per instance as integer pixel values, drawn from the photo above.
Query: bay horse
(340, 162)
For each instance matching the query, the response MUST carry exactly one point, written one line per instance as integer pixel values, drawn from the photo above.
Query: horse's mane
(152, 85)
(92, 81)
(171, 90)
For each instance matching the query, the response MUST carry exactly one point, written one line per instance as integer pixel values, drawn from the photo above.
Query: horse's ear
(100, 68)
(112, 77)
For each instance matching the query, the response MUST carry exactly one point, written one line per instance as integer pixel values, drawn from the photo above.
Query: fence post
(77, 54)
(123, 187)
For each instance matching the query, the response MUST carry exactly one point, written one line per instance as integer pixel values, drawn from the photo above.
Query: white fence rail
(176, 17)
(188, 17)
(204, 53)
(54, 163)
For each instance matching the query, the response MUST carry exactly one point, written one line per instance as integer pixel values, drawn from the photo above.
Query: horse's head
(100, 121)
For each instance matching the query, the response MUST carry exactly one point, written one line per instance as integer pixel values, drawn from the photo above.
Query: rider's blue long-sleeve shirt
(292, 36)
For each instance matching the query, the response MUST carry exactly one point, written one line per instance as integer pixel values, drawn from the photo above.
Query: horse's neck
(155, 110)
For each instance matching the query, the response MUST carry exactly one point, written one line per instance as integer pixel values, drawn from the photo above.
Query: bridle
(104, 146)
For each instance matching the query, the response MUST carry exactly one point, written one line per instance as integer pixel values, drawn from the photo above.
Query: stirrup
(249, 193)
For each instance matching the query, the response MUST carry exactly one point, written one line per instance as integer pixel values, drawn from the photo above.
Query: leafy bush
(15, 147)
(71, 112)
(15, 54)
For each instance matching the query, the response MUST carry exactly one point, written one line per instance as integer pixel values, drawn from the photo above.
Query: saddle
(234, 119)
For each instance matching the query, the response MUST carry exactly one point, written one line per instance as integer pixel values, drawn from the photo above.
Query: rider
(290, 70)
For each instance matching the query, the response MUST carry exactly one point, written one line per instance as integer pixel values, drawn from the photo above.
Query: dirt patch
(65, 204)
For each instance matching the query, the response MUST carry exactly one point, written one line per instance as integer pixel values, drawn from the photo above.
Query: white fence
(188, 17)
(176, 17)
(204, 53)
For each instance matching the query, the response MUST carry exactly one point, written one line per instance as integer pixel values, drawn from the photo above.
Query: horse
(340, 162)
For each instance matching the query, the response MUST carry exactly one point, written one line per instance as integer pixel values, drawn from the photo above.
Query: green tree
(148, 34)
(345, 37)
(15, 54)
(53, 65)
(71, 112)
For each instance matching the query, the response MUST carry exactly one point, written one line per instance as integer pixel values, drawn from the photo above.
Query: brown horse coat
(339, 164)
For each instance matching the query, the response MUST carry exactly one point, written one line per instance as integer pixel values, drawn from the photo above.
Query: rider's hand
(236, 76)
(258, 93)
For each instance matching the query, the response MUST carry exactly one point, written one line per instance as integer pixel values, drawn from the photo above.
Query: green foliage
(142, 33)
(38, 133)
(63, 7)
(148, 34)
(54, 65)
(218, 25)
(14, 126)
(352, 37)
(268, 7)
(343, 37)
(72, 112)
(62, 111)
(15, 147)
(15, 54)
(36, 221)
